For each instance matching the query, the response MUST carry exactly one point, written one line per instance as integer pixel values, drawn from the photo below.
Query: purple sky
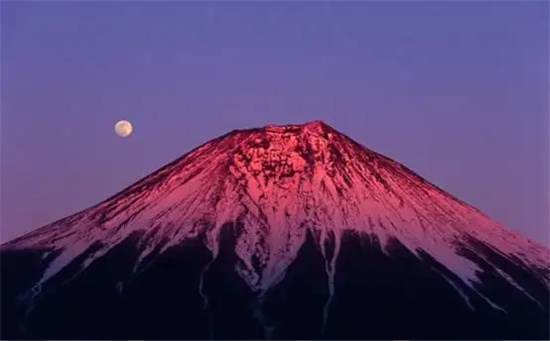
(458, 92)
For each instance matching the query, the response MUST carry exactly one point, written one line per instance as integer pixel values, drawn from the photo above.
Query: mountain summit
(292, 231)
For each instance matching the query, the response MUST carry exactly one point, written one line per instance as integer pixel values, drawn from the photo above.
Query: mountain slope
(238, 226)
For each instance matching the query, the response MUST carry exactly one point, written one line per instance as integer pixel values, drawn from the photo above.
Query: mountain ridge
(257, 197)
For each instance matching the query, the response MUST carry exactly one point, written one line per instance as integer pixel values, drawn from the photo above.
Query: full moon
(123, 128)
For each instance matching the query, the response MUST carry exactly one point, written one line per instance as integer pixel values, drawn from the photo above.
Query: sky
(456, 91)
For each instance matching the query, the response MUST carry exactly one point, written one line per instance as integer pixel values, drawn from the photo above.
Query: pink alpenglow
(263, 210)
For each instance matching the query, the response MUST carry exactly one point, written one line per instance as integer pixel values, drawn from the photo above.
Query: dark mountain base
(185, 294)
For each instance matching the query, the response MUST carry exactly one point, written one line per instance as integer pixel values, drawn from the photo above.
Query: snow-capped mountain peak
(274, 184)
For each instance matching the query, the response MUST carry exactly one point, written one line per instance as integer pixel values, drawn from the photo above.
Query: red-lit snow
(280, 181)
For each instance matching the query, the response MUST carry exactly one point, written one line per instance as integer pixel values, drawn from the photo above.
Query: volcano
(280, 232)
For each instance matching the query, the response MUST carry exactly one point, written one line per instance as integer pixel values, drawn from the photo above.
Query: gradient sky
(458, 92)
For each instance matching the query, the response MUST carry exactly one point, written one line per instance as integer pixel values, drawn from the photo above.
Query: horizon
(467, 110)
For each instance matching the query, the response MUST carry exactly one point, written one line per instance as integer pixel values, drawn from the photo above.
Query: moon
(123, 128)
